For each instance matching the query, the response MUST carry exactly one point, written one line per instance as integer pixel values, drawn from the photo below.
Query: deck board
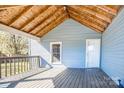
(66, 78)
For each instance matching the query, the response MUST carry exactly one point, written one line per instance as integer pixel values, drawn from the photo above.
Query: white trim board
(17, 32)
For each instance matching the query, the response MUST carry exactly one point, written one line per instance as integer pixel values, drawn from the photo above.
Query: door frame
(86, 63)
(51, 43)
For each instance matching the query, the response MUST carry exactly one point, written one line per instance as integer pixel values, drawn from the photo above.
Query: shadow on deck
(65, 78)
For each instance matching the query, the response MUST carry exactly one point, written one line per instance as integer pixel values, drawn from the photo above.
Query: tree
(13, 45)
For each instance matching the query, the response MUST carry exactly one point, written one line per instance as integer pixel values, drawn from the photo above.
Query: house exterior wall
(113, 49)
(73, 36)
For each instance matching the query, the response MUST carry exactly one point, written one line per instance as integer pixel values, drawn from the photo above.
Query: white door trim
(86, 61)
(51, 43)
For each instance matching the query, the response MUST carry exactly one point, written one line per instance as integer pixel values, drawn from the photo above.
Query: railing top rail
(18, 57)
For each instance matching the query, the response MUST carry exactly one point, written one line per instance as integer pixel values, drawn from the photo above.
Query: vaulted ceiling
(38, 20)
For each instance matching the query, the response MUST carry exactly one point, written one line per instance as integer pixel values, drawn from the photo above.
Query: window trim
(51, 43)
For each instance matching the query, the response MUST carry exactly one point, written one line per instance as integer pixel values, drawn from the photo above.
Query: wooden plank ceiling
(38, 20)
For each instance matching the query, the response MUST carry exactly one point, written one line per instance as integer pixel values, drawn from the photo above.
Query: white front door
(92, 53)
(55, 48)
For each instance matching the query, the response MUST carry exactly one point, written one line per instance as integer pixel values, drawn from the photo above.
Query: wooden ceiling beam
(51, 19)
(40, 18)
(4, 7)
(80, 19)
(82, 10)
(75, 18)
(90, 17)
(107, 9)
(51, 26)
(116, 7)
(83, 19)
(20, 14)
(99, 11)
(28, 16)
(6, 16)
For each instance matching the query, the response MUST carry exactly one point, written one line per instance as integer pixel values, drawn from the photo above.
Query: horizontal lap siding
(73, 36)
(113, 48)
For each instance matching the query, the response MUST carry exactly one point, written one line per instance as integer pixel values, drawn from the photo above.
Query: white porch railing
(16, 65)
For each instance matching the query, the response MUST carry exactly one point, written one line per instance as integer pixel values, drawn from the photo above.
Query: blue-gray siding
(73, 36)
(113, 48)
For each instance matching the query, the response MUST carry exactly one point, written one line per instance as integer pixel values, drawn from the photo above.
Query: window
(56, 52)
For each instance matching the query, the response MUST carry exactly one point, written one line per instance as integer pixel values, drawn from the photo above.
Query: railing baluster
(24, 64)
(0, 69)
(18, 66)
(14, 66)
(10, 67)
(38, 61)
(21, 65)
(5, 61)
(32, 63)
(30, 60)
(35, 62)
(34, 66)
(27, 63)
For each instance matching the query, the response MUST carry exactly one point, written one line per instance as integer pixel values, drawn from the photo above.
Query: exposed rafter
(80, 19)
(99, 11)
(49, 20)
(58, 21)
(107, 9)
(37, 20)
(27, 16)
(82, 9)
(3, 7)
(20, 14)
(8, 15)
(90, 17)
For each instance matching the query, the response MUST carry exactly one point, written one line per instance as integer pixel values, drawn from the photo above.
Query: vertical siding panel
(113, 49)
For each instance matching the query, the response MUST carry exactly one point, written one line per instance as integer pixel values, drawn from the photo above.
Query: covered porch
(71, 46)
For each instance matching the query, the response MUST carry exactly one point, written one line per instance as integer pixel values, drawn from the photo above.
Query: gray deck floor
(66, 78)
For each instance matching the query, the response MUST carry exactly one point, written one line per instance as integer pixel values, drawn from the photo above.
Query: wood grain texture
(86, 18)
(51, 19)
(92, 18)
(89, 11)
(39, 19)
(32, 19)
(27, 16)
(3, 7)
(9, 14)
(58, 21)
(85, 22)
